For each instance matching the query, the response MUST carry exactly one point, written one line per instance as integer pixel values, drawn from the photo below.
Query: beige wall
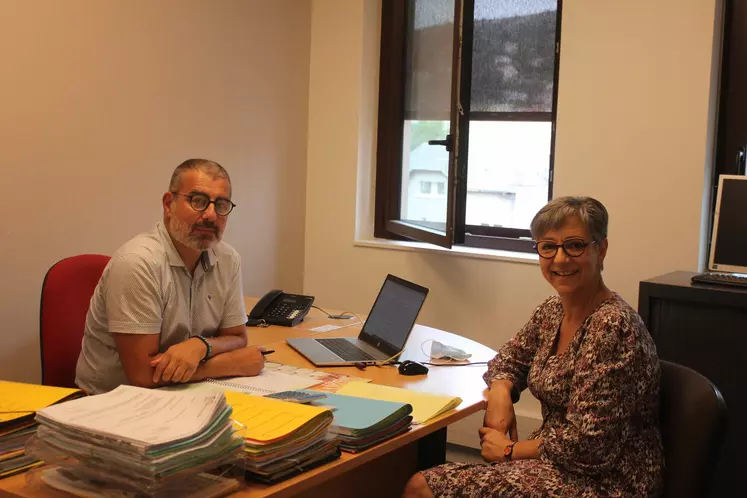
(99, 101)
(634, 126)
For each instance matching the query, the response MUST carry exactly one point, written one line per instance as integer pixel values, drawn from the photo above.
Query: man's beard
(182, 232)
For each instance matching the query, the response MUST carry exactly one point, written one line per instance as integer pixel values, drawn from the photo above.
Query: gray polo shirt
(147, 289)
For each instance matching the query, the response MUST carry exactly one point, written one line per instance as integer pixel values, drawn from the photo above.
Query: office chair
(65, 298)
(693, 422)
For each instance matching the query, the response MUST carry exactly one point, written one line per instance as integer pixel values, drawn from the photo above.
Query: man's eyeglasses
(571, 247)
(200, 202)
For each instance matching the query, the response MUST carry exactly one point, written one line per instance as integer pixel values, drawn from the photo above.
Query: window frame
(731, 125)
(391, 126)
(731, 133)
(387, 224)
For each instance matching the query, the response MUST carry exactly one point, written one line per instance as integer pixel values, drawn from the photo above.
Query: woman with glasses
(587, 356)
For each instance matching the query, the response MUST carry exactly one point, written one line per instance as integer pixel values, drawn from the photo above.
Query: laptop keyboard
(345, 350)
(720, 278)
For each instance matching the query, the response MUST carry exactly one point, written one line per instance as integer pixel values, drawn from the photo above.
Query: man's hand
(500, 414)
(493, 444)
(179, 362)
(248, 360)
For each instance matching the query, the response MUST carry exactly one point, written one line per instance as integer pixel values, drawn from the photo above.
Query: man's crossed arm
(144, 366)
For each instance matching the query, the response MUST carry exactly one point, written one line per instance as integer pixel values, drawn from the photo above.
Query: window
(731, 136)
(466, 101)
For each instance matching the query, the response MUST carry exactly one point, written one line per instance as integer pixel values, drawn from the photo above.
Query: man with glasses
(169, 307)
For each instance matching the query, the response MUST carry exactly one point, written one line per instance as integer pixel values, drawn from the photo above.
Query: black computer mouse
(409, 367)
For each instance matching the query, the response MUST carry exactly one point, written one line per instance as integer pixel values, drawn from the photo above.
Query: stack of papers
(282, 439)
(425, 406)
(274, 378)
(18, 404)
(360, 423)
(139, 438)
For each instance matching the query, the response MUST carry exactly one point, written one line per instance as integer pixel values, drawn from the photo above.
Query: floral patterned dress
(600, 403)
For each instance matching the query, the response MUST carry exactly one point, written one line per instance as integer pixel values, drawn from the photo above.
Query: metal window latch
(448, 143)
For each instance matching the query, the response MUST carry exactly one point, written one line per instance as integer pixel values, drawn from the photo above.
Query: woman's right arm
(507, 376)
(499, 414)
(514, 359)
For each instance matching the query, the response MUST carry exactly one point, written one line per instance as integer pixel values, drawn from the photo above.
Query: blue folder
(355, 416)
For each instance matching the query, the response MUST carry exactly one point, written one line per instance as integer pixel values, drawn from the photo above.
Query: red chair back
(65, 298)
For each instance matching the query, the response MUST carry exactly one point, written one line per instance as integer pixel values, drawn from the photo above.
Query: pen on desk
(267, 351)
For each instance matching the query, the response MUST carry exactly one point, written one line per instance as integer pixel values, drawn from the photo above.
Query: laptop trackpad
(314, 351)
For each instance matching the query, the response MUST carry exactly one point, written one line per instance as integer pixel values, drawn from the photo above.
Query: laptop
(727, 263)
(383, 335)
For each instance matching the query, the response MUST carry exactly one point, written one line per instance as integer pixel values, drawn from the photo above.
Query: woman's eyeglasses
(571, 247)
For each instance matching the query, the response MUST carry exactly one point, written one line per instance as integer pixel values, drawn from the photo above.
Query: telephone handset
(278, 308)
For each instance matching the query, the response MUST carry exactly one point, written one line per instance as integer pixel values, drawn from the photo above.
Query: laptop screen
(394, 313)
(730, 226)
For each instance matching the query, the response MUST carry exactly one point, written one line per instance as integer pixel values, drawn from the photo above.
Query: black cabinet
(704, 327)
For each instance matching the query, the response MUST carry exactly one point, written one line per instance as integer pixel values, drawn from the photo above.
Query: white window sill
(468, 252)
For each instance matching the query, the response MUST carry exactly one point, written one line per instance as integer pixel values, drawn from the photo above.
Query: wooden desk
(382, 470)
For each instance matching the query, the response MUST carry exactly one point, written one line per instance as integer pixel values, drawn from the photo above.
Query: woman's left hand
(493, 443)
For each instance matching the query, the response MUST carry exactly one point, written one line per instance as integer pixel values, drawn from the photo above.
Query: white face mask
(439, 350)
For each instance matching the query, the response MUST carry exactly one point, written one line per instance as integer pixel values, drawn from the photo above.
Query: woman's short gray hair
(556, 213)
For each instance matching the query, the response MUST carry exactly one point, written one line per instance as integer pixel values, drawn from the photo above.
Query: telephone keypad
(286, 310)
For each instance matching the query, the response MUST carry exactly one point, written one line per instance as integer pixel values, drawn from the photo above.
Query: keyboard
(720, 278)
(345, 350)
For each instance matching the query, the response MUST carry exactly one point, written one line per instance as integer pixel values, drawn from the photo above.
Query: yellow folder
(425, 406)
(18, 400)
(264, 420)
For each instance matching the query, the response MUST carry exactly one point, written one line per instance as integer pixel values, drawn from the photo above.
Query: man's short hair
(206, 166)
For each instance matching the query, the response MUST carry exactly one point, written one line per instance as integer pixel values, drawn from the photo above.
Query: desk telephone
(278, 308)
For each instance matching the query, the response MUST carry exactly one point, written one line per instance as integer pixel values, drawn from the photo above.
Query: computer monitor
(729, 240)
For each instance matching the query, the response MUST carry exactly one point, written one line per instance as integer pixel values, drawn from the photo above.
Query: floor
(458, 453)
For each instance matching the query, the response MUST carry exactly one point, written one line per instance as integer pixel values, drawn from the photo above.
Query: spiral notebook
(267, 382)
